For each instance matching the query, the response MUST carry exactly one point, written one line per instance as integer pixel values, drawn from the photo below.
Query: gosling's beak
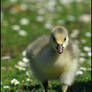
(59, 48)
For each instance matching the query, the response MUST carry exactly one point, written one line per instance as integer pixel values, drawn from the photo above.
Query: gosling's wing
(73, 49)
(34, 48)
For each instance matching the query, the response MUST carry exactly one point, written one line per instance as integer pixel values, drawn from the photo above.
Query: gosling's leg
(64, 88)
(45, 84)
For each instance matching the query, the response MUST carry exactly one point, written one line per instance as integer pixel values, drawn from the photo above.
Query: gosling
(54, 57)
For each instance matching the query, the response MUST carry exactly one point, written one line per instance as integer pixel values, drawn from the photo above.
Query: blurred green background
(22, 21)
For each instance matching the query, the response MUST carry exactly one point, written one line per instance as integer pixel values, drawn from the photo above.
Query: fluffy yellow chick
(54, 57)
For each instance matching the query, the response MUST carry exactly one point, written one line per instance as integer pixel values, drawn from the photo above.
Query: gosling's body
(47, 64)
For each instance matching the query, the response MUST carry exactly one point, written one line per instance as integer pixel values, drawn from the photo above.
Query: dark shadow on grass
(81, 87)
(31, 87)
(76, 87)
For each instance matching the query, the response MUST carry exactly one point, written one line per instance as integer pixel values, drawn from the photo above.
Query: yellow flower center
(14, 81)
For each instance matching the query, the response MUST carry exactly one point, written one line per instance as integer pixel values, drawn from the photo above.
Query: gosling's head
(59, 38)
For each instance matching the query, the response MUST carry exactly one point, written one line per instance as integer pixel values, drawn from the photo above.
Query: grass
(13, 44)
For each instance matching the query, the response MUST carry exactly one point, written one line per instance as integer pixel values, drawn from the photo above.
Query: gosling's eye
(64, 39)
(53, 38)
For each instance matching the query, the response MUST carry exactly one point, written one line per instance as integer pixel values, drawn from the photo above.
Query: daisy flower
(65, 2)
(41, 11)
(82, 54)
(79, 72)
(88, 34)
(25, 60)
(83, 41)
(51, 5)
(13, 1)
(84, 18)
(28, 73)
(15, 82)
(20, 67)
(71, 18)
(24, 53)
(82, 59)
(48, 26)
(39, 19)
(89, 54)
(83, 68)
(20, 63)
(24, 6)
(86, 48)
(6, 86)
(28, 79)
(24, 21)
(16, 27)
(5, 57)
(74, 33)
(22, 33)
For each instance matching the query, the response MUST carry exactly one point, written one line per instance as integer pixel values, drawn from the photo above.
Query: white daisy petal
(24, 6)
(83, 41)
(82, 54)
(28, 79)
(88, 34)
(65, 2)
(48, 26)
(39, 18)
(79, 72)
(28, 73)
(41, 11)
(71, 18)
(20, 63)
(6, 86)
(16, 27)
(86, 48)
(20, 67)
(26, 60)
(5, 57)
(22, 33)
(24, 53)
(15, 82)
(51, 5)
(83, 68)
(74, 33)
(13, 1)
(82, 59)
(84, 18)
(89, 54)
(24, 21)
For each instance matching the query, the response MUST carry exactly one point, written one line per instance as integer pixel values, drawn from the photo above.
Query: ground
(25, 20)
